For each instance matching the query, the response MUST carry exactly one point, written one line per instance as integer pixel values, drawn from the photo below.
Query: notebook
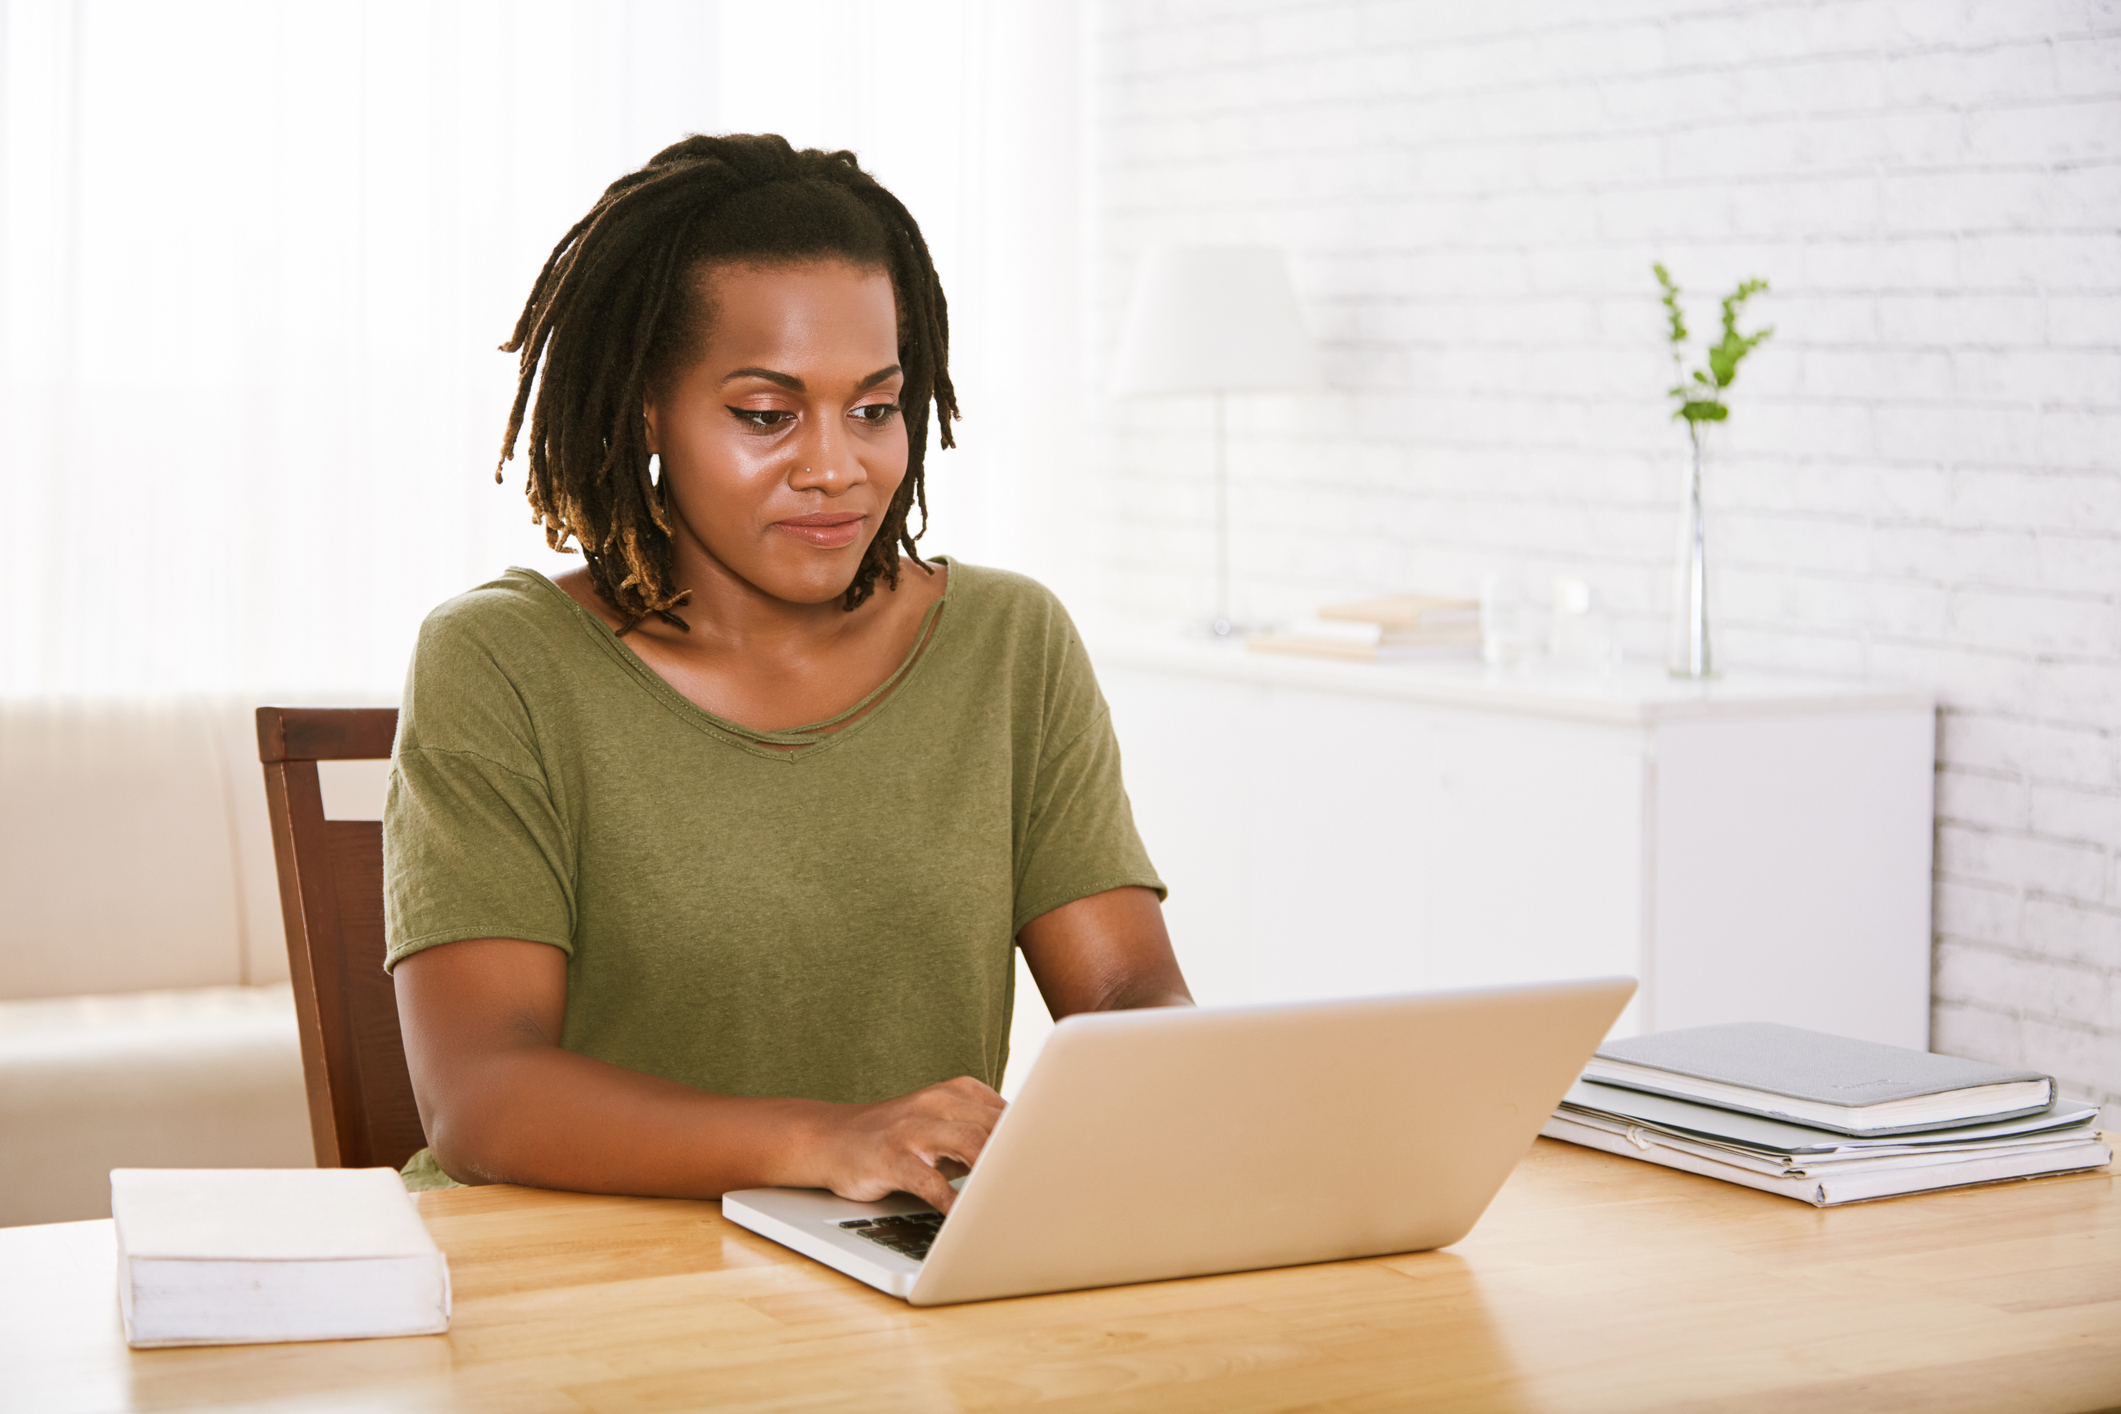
(1838, 1083)
(1799, 1143)
(241, 1256)
(1828, 1185)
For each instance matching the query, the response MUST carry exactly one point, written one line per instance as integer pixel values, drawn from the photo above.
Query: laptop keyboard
(908, 1234)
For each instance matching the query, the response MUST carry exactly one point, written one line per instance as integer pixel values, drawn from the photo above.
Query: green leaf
(1722, 357)
(1731, 304)
(1723, 361)
(1727, 354)
(1677, 320)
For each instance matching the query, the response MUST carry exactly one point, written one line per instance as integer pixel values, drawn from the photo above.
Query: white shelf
(1634, 694)
(1756, 847)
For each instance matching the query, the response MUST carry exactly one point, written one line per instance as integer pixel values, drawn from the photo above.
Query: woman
(704, 861)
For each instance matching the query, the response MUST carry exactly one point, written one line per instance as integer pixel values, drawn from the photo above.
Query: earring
(655, 467)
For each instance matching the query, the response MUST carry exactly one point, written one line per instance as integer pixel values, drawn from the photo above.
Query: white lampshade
(1205, 319)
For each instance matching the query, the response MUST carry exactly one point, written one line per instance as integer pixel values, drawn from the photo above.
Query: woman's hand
(914, 1144)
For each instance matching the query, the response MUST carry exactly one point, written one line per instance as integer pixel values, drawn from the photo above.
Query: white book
(1794, 1148)
(1843, 1162)
(241, 1256)
(1367, 643)
(1827, 1190)
(1859, 1088)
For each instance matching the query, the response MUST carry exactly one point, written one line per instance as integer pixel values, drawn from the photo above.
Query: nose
(825, 460)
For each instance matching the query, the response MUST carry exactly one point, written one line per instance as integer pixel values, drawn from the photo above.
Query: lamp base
(1225, 630)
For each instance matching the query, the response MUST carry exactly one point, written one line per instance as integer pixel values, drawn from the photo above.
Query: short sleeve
(473, 843)
(1080, 837)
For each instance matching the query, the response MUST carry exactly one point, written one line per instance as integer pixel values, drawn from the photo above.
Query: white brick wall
(1922, 477)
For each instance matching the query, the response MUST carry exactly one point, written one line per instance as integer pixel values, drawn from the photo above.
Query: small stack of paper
(1823, 1118)
(238, 1256)
(1401, 626)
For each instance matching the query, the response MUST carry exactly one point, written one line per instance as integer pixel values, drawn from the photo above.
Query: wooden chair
(361, 1110)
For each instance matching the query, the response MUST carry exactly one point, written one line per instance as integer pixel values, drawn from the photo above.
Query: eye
(761, 417)
(877, 414)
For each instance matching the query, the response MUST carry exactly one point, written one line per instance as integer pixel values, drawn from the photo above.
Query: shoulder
(518, 622)
(1007, 617)
(518, 602)
(1012, 630)
(1007, 600)
(487, 655)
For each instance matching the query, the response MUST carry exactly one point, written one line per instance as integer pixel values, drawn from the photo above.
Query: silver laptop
(1177, 1142)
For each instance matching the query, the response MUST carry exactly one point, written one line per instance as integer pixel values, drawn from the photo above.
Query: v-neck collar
(790, 743)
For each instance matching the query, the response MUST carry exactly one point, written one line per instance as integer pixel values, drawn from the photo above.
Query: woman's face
(782, 443)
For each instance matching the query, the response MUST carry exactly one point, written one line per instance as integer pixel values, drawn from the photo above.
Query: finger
(927, 1185)
(982, 1107)
(980, 1093)
(945, 1105)
(965, 1090)
(963, 1142)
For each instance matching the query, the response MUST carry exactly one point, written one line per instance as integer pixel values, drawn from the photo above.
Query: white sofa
(145, 1017)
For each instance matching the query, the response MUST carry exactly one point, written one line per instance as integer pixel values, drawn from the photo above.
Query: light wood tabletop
(1593, 1283)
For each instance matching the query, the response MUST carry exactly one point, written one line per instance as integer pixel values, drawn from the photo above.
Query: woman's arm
(1107, 952)
(503, 1103)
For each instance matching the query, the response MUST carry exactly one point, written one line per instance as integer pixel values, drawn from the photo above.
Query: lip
(833, 530)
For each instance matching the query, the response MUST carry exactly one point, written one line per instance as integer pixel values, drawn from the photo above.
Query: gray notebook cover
(1807, 1065)
(1782, 1139)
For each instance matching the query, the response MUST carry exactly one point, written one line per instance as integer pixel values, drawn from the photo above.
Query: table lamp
(1217, 320)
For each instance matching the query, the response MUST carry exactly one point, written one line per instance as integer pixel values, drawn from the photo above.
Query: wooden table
(1593, 1283)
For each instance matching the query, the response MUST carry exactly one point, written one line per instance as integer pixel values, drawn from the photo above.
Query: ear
(655, 445)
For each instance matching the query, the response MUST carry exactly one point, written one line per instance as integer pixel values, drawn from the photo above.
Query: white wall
(1921, 480)
(255, 260)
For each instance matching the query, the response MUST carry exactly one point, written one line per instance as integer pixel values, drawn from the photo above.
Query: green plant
(1700, 396)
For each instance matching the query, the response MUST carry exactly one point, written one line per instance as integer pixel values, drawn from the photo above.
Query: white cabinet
(1755, 848)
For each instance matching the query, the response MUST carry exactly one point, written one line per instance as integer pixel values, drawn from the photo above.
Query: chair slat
(361, 1106)
(389, 1128)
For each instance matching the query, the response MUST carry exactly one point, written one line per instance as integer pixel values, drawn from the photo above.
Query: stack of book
(1823, 1118)
(1402, 626)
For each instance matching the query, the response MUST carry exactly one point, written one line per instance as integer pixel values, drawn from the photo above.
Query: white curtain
(255, 259)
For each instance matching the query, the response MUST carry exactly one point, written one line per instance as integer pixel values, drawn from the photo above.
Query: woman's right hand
(914, 1144)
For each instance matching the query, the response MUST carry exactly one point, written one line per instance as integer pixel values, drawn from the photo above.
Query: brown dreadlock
(613, 314)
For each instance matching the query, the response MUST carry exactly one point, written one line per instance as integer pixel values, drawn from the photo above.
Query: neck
(729, 613)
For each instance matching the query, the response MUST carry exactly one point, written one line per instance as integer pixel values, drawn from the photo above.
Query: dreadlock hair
(615, 312)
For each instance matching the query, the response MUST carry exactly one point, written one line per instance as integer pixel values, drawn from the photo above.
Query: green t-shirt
(834, 921)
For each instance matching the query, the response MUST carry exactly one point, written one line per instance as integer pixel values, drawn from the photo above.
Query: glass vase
(1690, 655)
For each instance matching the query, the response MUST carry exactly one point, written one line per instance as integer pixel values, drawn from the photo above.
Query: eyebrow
(795, 385)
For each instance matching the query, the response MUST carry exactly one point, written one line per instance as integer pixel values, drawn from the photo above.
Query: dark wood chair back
(361, 1110)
